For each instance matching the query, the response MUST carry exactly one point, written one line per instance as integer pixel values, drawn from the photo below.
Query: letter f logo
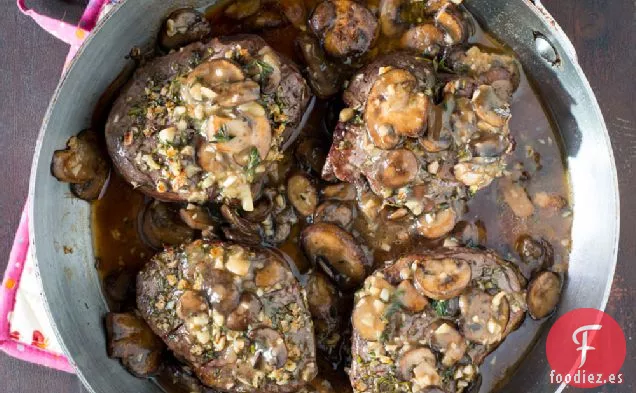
(583, 344)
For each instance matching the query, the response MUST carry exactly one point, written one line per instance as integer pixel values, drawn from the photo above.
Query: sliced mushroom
(335, 212)
(320, 385)
(262, 210)
(390, 17)
(436, 225)
(410, 298)
(237, 93)
(346, 28)
(241, 9)
(162, 225)
(323, 76)
(302, 194)
(211, 73)
(396, 168)
(270, 347)
(445, 338)
(322, 296)
(449, 19)
(368, 318)
(484, 317)
(182, 27)
(250, 130)
(395, 108)
(489, 107)
(442, 279)
(340, 192)
(264, 19)
(83, 165)
(544, 293)
(196, 217)
(538, 254)
(190, 303)
(345, 260)
(240, 230)
(274, 272)
(426, 39)
(516, 198)
(420, 366)
(220, 290)
(245, 313)
(132, 340)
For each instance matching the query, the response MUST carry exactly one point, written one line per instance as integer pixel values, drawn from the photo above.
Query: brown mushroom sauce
(534, 183)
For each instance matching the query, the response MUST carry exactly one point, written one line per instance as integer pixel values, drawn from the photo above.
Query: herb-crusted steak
(428, 320)
(206, 121)
(236, 314)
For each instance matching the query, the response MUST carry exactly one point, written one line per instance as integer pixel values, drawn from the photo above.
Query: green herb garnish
(253, 161)
(440, 306)
(222, 135)
(136, 111)
(264, 69)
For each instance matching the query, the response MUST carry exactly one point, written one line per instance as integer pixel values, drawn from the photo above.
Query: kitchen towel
(25, 330)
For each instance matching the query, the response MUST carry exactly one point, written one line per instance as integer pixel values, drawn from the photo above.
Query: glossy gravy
(116, 216)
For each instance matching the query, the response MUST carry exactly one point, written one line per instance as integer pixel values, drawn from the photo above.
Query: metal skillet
(71, 284)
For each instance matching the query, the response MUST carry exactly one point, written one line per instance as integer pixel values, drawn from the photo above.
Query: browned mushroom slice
(345, 259)
(269, 347)
(445, 338)
(390, 22)
(240, 229)
(335, 212)
(347, 28)
(396, 168)
(245, 313)
(323, 76)
(410, 298)
(538, 254)
(264, 19)
(484, 317)
(442, 279)
(320, 385)
(211, 74)
(449, 19)
(220, 290)
(470, 233)
(436, 225)
(426, 39)
(196, 217)
(419, 365)
(489, 107)
(163, 226)
(274, 272)
(340, 192)
(368, 318)
(544, 293)
(132, 340)
(302, 194)
(83, 165)
(395, 109)
(182, 27)
(237, 93)
(241, 9)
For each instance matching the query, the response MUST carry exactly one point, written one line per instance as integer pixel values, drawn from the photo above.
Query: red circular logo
(586, 349)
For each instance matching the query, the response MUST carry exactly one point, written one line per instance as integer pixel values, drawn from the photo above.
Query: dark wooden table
(603, 32)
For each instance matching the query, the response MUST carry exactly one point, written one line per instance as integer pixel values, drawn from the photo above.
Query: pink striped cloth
(25, 331)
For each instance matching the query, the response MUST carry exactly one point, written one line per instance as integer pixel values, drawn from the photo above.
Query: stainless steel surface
(70, 280)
